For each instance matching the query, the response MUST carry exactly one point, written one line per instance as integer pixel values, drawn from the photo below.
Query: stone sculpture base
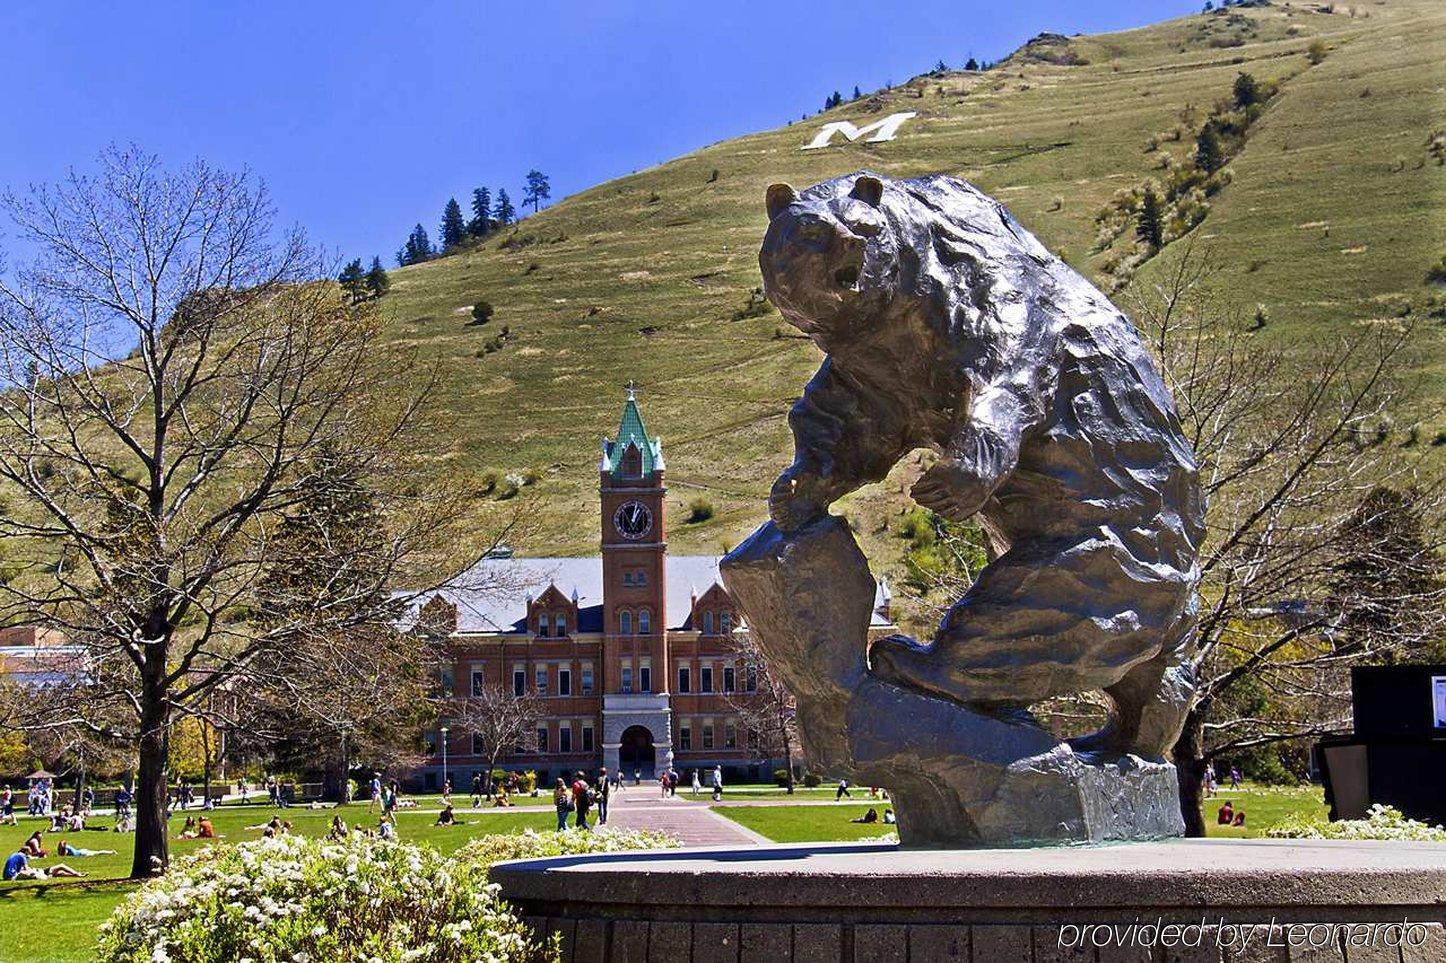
(851, 903)
(957, 776)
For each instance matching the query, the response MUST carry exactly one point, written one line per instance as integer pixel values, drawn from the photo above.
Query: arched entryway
(636, 752)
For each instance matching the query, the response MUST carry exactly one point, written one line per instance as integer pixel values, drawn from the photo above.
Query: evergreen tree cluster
(364, 284)
(489, 212)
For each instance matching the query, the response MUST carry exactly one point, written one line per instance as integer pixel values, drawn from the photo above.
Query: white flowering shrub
(486, 850)
(313, 901)
(1382, 822)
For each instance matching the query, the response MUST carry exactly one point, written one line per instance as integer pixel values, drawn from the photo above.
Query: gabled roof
(632, 433)
(492, 595)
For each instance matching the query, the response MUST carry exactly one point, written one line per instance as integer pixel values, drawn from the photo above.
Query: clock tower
(635, 638)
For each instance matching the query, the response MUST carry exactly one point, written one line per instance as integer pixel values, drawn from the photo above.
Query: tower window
(542, 624)
(640, 578)
(645, 619)
(561, 623)
(645, 679)
(707, 623)
(627, 685)
(625, 622)
(632, 462)
(727, 622)
(627, 578)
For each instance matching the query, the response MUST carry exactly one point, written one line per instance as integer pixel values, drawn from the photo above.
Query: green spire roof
(632, 433)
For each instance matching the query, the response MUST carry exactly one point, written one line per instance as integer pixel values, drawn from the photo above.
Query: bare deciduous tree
(765, 709)
(1293, 454)
(496, 720)
(174, 375)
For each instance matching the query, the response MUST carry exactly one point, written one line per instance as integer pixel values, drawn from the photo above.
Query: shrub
(1316, 52)
(1382, 822)
(527, 780)
(294, 898)
(1436, 274)
(530, 844)
(780, 776)
(489, 482)
(812, 779)
(699, 510)
(481, 312)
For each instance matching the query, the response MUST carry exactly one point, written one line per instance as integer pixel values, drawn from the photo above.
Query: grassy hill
(1334, 213)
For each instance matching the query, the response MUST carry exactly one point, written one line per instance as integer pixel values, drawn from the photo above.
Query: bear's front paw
(791, 503)
(950, 490)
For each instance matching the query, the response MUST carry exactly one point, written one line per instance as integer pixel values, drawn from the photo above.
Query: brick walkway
(640, 807)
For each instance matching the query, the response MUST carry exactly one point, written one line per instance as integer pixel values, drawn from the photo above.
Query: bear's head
(830, 259)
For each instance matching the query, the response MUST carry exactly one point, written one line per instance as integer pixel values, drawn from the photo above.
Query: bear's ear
(778, 197)
(868, 189)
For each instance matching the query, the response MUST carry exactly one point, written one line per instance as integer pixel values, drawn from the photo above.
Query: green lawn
(57, 921)
(1264, 806)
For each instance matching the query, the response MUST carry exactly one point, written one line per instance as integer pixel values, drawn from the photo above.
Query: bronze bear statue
(949, 327)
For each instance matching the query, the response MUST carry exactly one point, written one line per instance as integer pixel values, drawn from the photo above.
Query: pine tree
(377, 282)
(857, 92)
(971, 64)
(481, 221)
(504, 213)
(1247, 91)
(417, 249)
(353, 281)
(454, 228)
(538, 189)
(1209, 152)
(1150, 219)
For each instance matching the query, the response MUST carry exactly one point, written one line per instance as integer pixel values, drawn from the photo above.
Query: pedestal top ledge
(1218, 873)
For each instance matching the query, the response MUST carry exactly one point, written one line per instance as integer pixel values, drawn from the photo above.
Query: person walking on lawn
(604, 796)
(582, 799)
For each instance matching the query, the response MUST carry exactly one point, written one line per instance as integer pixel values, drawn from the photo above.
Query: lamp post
(444, 757)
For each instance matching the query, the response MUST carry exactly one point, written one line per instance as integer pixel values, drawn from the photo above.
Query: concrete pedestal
(1228, 900)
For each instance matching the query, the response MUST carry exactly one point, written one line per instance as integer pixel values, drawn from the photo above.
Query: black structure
(1397, 754)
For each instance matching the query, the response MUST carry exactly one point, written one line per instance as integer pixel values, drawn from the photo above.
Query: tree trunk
(333, 783)
(1189, 757)
(152, 853)
(788, 760)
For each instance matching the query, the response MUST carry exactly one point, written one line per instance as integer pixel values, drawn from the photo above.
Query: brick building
(631, 652)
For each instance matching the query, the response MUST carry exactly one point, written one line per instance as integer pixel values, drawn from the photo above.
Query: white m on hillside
(881, 129)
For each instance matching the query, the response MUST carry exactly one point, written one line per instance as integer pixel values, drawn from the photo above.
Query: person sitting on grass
(1226, 814)
(188, 831)
(501, 802)
(386, 829)
(64, 848)
(447, 817)
(872, 816)
(1239, 818)
(273, 824)
(18, 867)
(889, 818)
(338, 829)
(34, 847)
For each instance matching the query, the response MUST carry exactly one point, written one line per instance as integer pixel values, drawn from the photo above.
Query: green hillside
(1334, 213)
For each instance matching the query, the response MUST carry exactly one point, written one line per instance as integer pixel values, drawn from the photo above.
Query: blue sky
(364, 117)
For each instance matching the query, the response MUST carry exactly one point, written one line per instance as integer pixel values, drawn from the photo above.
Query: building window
(542, 738)
(727, 622)
(627, 685)
(587, 679)
(564, 738)
(730, 737)
(707, 623)
(587, 738)
(707, 737)
(645, 620)
(564, 682)
(542, 680)
(632, 462)
(685, 679)
(645, 679)
(561, 622)
(750, 678)
(625, 622)
(640, 578)
(685, 737)
(705, 676)
(627, 578)
(477, 747)
(542, 624)
(728, 680)
(444, 679)
(479, 682)
(519, 683)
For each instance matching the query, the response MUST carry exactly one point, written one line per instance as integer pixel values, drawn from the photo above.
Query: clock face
(633, 520)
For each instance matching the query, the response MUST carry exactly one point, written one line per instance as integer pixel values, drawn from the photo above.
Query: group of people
(872, 816)
(583, 796)
(18, 866)
(1211, 781)
(1229, 815)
